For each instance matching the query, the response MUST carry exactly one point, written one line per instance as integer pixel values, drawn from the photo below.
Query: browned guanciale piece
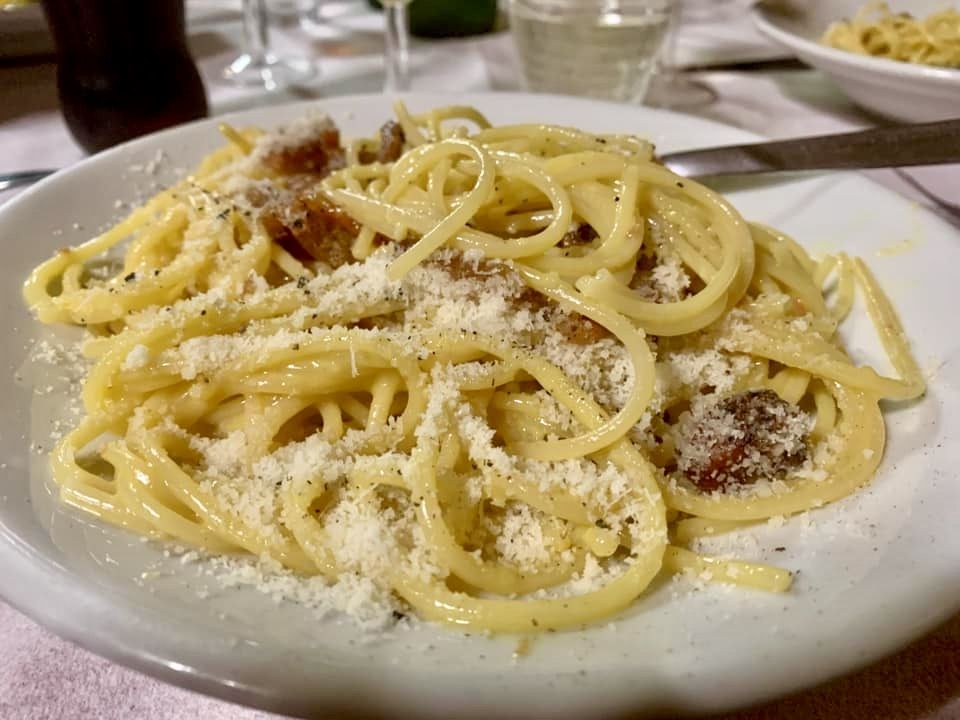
(310, 227)
(314, 228)
(391, 145)
(742, 438)
(577, 329)
(581, 330)
(582, 234)
(459, 268)
(318, 155)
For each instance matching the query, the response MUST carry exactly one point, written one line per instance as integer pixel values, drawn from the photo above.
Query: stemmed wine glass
(397, 57)
(397, 37)
(257, 66)
(670, 87)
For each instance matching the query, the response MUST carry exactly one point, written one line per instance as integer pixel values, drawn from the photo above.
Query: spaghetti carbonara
(876, 31)
(504, 376)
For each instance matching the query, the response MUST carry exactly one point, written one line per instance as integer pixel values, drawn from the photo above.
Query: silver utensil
(895, 146)
(11, 180)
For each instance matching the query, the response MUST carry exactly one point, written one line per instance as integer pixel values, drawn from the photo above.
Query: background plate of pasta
(900, 59)
(465, 405)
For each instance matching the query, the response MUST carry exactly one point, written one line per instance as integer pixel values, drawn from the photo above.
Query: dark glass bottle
(123, 68)
(443, 18)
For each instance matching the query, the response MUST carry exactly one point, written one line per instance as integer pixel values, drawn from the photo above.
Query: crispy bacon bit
(582, 234)
(309, 227)
(318, 155)
(581, 330)
(646, 261)
(257, 197)
(739, 439)
(459, 268)
(391, 145)
(313, 228)
(577, 329)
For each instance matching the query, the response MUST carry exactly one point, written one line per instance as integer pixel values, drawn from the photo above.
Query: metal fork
(12, 180)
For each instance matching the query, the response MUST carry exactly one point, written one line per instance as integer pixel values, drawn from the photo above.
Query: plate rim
(110, 646)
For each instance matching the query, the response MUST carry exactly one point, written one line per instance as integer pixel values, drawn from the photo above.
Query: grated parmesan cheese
(136, 358)
(706, 367)
(520, 539)
(292, 135)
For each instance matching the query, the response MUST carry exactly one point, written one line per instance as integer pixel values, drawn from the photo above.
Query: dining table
(748, 83)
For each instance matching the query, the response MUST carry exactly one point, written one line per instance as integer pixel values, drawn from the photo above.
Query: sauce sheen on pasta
(501, 375)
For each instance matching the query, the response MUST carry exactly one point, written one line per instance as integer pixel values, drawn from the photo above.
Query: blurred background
(319, 48)
(706, 57)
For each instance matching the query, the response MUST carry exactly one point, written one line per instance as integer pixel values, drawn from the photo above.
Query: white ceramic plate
(899, 90)
(875, 570)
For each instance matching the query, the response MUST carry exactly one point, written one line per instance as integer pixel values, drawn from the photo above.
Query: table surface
(44, 677)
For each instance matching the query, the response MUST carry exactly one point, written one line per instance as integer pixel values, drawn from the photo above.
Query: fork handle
(894, 146)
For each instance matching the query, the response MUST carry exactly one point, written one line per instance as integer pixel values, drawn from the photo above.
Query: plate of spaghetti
(897, 59)
(467, 405)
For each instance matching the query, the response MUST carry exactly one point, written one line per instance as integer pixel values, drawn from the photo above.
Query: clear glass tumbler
(598, 48)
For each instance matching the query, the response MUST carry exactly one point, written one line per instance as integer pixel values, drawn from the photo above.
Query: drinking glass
(397, 57)
(288, 11)
(257, 66)
(598, 48)
(670, 87)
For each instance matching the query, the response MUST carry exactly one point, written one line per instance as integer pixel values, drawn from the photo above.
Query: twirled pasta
(249, 400)
(877, 31)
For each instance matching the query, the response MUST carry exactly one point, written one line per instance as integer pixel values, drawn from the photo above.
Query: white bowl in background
(899, 90)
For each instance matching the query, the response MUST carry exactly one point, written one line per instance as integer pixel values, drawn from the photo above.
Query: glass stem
(669, 51)
(397, 58)
(255, 32)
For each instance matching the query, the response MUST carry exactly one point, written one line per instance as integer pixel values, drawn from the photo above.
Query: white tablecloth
(43, 677)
